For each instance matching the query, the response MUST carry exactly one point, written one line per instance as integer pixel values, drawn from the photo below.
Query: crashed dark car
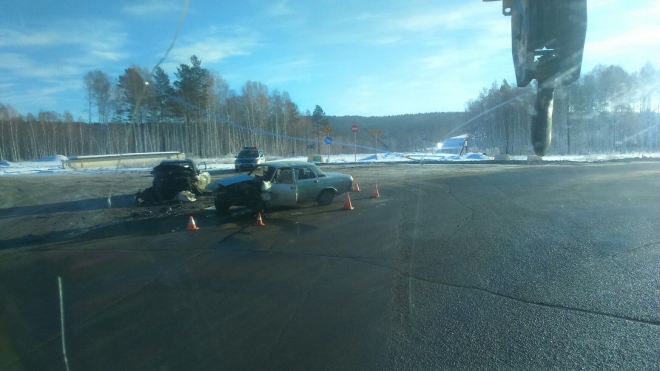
(172, 177)
(279, 184)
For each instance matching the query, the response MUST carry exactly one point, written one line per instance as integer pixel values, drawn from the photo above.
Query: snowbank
(53, 164)
(53, 158)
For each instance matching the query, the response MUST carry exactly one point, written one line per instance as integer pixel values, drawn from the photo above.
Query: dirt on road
(42, 209)
(37, 209)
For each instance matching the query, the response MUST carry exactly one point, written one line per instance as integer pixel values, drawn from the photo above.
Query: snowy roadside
(53, 164)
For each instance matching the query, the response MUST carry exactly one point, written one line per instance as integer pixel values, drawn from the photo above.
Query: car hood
(229, 181)
(337, 175)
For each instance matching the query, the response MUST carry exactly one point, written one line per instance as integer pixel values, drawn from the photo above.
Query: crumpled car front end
(170, 180)
(240, 190)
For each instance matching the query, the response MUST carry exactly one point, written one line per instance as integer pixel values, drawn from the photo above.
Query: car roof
(177, 161)
(278, 164)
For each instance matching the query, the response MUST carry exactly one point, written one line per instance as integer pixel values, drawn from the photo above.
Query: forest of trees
(145, 112)
(400, 132)
(607, 110)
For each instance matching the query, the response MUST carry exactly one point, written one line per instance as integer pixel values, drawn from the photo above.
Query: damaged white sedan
(279, 184)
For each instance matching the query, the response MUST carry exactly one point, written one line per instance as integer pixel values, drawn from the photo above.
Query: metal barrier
(148, 159)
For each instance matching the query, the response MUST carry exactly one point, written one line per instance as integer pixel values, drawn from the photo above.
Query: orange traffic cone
(375, 194)
(356, 188)
(259, 222)
(191, 224)
(347, 202)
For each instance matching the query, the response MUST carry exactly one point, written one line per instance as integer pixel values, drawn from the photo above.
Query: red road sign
(355, 128)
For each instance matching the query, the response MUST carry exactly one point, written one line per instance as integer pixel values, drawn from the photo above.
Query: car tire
(236, 169)
(221, 208)
(326, 197)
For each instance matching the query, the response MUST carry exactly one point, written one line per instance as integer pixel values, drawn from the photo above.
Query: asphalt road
(455, 266)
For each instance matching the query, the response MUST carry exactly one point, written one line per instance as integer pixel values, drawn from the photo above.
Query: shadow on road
(69, 206)
(150, 226)
(128, 226)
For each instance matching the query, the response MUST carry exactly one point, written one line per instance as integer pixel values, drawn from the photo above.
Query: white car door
(308, 184)
(284, 191)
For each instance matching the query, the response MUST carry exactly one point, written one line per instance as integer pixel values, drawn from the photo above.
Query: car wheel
(326, 197)
(221, 208)
(236, 169)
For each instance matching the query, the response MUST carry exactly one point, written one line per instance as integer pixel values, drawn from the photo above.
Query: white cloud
(439, 81)
(152, 7)
(436, 59)
(280, 8)
(10, 37)
(212, 48)
(47, 96)
(419, 25)
(442, 18)
(617, 34)
(22, 65)
(89, 44)
(92, 34)
(281, 71)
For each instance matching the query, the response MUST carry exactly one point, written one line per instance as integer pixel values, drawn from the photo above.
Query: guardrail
(148, 159)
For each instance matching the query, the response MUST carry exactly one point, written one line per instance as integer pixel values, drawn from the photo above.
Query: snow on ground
(53, 158)
(361, 158)
(53, 164)
(592, 158)
(222, 163)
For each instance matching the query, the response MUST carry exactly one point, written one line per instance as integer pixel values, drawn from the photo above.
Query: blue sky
(368, 57)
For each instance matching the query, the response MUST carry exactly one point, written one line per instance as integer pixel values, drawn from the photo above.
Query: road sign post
(328, 130)
(328, 141)
(355, 129)
(375, 134)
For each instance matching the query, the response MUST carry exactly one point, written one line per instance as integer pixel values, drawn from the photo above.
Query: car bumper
(244, 166)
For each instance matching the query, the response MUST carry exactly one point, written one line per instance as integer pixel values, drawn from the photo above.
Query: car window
(304, 173)
(262, 172)
(248, 153)
(319, 173)
(284, 176)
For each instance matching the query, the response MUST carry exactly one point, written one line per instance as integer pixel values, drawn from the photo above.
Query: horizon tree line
(607, 110)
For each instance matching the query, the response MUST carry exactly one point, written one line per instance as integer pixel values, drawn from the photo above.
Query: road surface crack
(517, 299)
(543, 304)
(472, 212)
(633, 249)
